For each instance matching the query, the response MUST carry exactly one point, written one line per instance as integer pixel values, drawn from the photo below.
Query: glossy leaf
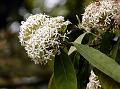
(64, 73)
(99, 60)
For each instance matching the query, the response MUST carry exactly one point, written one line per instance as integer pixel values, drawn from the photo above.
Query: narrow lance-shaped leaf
(99, 60)
(64, 73)
(78, 40)
(79, 25)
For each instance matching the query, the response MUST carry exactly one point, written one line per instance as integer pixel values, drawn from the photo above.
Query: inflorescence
(99, 14)
(40, 36)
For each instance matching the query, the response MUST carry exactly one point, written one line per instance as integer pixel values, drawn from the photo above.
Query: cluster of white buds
(94, 83)
(99, 14)
(40, 36)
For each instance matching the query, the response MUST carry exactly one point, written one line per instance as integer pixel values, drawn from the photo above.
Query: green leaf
(115, 52)
(52, 84)
(105, 81)
(78, 40)
(83, 74)
(99, 60)
(76, 59)
(64, 73)
(79, 25)
(51, 64)
(106, 42)
(118, 56)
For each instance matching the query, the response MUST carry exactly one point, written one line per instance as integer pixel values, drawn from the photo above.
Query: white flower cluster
(40, 36)
(94, 83)
(99, 14)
